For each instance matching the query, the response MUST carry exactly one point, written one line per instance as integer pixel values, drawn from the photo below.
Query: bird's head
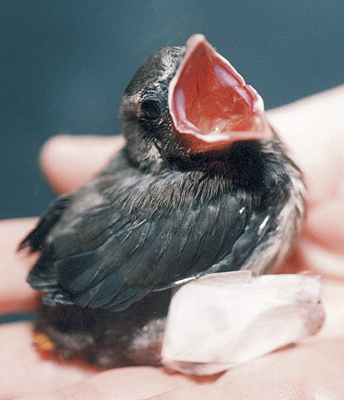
(187, 101)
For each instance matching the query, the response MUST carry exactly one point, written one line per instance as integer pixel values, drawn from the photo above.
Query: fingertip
(68, 161)
(15, 294)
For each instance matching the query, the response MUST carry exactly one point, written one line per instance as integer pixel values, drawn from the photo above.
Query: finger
(312, 129)
(303, 373)
(332, 299)
(321, 249)
(15, 293)
(70, 161)
(24, 371)
(325, 225)
(307, 371)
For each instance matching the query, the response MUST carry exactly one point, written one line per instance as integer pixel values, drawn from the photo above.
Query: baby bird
(203, 185)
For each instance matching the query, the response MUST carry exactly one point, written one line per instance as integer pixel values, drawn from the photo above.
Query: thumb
(68, 162)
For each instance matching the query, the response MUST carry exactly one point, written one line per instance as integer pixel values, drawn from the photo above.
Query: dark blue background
(64, 65)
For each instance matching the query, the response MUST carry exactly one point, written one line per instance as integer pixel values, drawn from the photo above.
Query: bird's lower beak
(210, 104)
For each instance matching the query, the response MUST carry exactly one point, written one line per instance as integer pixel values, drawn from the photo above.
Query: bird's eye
(151, 109)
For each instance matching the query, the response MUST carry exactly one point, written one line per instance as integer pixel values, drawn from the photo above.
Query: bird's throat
(210, 104)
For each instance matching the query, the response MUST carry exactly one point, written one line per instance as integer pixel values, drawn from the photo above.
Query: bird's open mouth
(210, 104)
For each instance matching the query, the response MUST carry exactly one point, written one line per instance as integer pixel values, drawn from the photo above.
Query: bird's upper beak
(210, 104)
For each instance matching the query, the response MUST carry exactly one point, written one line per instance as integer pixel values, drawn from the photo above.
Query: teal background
(64, 65)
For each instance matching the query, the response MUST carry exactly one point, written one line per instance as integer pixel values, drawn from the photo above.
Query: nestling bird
(203, 185)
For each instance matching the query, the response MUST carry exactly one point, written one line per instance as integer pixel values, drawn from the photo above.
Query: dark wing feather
(35, 239)
(110, 258)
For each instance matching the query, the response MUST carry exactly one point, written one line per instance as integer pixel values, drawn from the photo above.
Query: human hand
(313, 129)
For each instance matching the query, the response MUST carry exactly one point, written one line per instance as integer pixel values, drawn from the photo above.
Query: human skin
(313, 129)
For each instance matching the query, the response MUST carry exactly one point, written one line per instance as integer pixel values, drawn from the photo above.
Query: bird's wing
(35, 239)
(110, 258)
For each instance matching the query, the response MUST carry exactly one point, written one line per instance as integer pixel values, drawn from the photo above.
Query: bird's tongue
(210, 104)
